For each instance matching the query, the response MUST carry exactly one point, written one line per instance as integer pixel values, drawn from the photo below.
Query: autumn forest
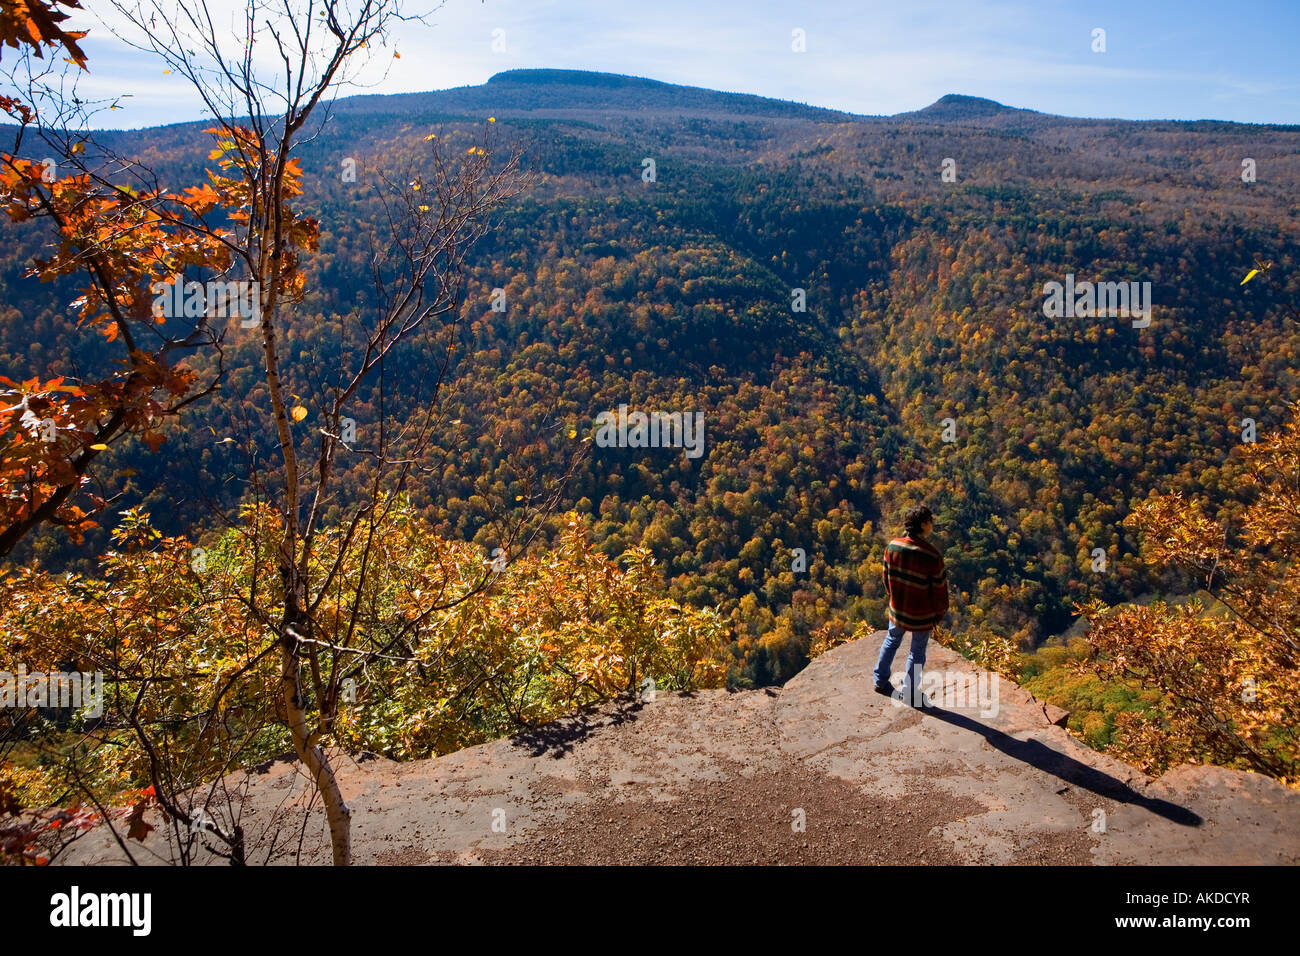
(383, 477)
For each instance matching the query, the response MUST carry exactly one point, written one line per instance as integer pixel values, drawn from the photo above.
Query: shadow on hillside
(1044, 758)
(558, 737)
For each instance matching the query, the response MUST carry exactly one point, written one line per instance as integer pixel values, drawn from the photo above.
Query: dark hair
(916, 516)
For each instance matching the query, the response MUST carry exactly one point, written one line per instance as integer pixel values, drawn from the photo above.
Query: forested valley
(854, 304)
(921, 302)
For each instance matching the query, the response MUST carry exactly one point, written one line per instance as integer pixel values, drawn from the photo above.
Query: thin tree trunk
(313, 757)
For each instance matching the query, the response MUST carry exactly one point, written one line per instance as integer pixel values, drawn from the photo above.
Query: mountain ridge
(469, 100)
(951, 107)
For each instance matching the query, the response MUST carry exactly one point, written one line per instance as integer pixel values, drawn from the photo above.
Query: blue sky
(1163, 59)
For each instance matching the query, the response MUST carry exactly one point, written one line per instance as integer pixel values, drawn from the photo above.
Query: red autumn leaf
(138, 829)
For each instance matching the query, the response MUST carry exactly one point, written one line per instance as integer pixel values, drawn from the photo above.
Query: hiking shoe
(886, 689)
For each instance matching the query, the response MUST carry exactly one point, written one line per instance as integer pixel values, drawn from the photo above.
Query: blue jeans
(915, 661)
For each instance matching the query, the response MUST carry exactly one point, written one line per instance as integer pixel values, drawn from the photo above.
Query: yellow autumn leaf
(100, 447)
(1250, 275)
(299, 413)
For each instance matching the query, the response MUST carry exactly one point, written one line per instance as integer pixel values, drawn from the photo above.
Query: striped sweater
(916, 582)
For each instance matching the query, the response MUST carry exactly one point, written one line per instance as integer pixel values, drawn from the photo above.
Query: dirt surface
(824, 770)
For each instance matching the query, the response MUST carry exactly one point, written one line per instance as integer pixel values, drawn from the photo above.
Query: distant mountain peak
(594, 90)
(958, 106)
(571, 77)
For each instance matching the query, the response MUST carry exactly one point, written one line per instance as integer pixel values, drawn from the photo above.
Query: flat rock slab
(824, 771)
